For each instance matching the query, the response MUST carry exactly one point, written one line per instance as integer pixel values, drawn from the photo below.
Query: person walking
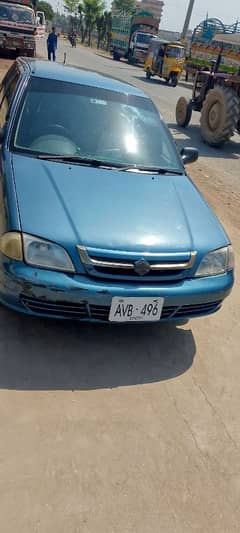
(52, 45)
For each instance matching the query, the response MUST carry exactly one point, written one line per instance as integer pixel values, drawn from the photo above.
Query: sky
(174, 12)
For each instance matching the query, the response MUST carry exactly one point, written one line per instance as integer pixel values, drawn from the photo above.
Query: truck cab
(17, 27)
(139, 45)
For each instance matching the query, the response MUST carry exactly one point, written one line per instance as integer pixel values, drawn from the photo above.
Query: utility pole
(187, 19)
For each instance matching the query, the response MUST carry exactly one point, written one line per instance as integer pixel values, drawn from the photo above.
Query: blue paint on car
(82, 184)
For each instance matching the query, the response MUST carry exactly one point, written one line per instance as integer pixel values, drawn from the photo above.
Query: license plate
(136, 309)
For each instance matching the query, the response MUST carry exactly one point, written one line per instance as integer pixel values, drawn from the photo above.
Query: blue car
(98, 219)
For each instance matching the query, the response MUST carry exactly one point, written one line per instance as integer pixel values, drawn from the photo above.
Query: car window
(15, 13)
(65, 118)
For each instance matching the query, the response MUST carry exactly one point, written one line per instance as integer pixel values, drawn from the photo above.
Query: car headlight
(217, 262)
(45, 254)
(36, 252)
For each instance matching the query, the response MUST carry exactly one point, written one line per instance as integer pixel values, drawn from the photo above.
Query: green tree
(46, 8)
(101, 29)
(125, 6)
(104, 28)
(91, 10)
(61, 21)
(81, 21)
(71, 6)
(108, 17)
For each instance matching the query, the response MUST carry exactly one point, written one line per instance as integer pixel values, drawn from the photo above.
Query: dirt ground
(4, 66)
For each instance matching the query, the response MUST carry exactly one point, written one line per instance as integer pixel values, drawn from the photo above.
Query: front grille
(137, 267)
(12, 31)
(198, 309)
(85, 311)
(61, 309)
(152, 275)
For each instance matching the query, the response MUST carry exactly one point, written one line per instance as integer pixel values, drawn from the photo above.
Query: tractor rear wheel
(220, 115)
(183, 112)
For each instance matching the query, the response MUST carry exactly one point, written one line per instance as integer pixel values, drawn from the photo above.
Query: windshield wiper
(151, 170)
(107, 164)
(78, 159)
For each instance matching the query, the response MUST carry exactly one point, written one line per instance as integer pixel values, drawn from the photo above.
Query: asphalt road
(126, 429)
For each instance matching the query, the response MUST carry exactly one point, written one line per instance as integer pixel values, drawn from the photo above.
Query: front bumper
(11, 43)
(46, 293)
(140, 55)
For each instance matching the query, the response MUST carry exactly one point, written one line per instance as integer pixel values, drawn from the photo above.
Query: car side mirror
(1, 135)
(189, 155)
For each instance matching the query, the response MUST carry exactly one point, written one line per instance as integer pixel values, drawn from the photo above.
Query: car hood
(113, 210)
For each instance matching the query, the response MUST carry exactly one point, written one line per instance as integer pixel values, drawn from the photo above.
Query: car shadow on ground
(191, 136)
(42, 354)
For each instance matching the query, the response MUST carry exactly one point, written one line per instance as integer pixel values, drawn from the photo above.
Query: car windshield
(175, 52)
(13, 13)
(144, 38)
(61, 118)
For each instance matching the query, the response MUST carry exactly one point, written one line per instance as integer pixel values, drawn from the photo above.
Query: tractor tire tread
(231, 110)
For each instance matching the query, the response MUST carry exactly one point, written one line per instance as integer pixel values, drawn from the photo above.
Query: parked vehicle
(17, 27)
(41, 24)
(217, 97)
(131, 36)
(100, 223)
(166, 60)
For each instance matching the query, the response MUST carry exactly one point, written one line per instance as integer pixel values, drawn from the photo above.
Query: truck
(209, 39)
(131, 35)
(41, 24)
(17, 27)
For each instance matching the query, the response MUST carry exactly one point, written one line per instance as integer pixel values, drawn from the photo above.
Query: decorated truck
(17, 27)
(131, 35)
(210, 38)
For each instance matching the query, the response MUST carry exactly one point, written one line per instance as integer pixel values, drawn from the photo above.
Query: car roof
(61, 72)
